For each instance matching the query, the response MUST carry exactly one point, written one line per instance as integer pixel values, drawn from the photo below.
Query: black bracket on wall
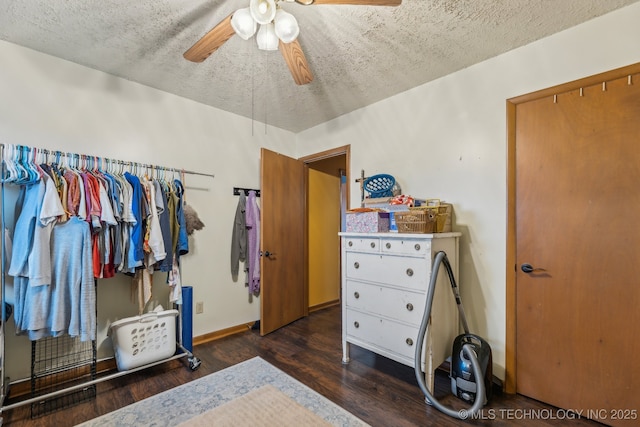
(237, 190)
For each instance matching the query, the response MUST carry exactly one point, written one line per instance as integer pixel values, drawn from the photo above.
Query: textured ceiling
(358, 54)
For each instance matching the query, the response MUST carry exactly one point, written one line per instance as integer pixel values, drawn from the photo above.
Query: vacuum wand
(467, 349)
(454, 288)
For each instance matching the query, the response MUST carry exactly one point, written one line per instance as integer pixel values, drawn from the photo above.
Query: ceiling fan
(278, 30)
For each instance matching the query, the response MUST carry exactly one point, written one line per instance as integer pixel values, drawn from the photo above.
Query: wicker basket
(441, 213)
(444, 218)
(416, 221)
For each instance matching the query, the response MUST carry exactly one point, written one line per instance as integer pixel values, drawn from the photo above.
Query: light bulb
(266, 38)
(286, 26)
(243, 24)
(263, 11)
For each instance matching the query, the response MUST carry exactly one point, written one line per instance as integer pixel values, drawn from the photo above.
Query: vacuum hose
(467, 348)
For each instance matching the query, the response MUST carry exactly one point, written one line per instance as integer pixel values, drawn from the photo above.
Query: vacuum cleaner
(471, 362)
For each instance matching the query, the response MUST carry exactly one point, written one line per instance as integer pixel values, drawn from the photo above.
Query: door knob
(528, 268)
(267, 254)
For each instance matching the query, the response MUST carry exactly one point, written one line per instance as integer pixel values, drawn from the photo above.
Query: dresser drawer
(362, 244)
(411, 247)
(391, 336)
(394, 270)
(397, 304)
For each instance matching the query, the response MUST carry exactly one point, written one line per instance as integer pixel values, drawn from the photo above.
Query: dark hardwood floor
(377, 390)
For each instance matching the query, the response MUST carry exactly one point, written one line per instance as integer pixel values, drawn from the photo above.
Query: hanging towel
(175, 282)
(141, 287)
(239, 238)
(252, 219)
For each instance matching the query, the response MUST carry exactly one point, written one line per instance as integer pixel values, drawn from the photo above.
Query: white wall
(447, 139)
(51, 103)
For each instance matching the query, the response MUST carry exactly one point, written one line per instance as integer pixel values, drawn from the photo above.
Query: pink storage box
(368, 222)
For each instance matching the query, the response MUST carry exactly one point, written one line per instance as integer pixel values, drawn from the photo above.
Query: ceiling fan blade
(355, 2)
(211, 41)
(296, 61)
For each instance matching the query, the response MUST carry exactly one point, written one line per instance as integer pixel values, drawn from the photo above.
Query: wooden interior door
(283, 289)
(577, 207)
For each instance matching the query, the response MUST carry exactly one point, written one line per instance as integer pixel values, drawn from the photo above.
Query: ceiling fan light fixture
(286, 26)
(266, 38)
(243, 23)
(263, 11)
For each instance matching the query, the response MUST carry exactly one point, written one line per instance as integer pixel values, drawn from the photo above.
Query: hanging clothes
(180, 239)
(252, 220)
(239, 237)
(166, 264)
(108, 223)
(74, 225)
(182, 245)
(136, 238)
(30, 201)
(174, 281)
(73, 279)
(67, 305)
(154, 242)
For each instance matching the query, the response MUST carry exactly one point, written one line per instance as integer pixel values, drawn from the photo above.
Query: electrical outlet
(199, 307)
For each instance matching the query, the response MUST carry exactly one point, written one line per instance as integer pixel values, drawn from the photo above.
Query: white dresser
(384, 289)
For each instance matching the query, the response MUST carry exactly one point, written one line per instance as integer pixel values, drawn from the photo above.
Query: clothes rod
(237, 190)
(116, 161)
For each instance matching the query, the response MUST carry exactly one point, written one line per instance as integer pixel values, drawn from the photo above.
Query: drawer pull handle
(356, 264)
(409, 306)
(350, 243)
(356, 295)
(388, 245)
(409, 342)
(356, 324)
(373, 244)
(409, 272)
(417, 246)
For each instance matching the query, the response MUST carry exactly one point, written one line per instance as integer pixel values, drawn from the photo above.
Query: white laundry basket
(144, 339)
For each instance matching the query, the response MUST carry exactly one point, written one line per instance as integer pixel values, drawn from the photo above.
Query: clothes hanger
(35, 164)
(28, 165)
(11, 172)
(163, 180)
(24, 174)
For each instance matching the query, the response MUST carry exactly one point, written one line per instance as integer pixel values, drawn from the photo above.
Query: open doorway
(328, 187)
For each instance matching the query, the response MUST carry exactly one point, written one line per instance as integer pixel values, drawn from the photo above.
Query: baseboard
(212, 336)
(324, 305)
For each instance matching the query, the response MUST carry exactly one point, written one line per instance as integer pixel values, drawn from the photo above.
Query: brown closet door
(578, 225)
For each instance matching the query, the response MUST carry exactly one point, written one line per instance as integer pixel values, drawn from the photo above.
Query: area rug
(251, 393)
(264, 407)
